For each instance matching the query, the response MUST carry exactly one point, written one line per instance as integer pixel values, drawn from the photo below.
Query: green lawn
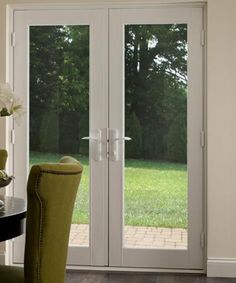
(155, 192)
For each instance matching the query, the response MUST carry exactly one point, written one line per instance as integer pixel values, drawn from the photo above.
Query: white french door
(140, 75)
(161, 247)
(90, 31)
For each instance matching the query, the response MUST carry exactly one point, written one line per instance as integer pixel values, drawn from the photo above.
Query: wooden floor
(110, 277)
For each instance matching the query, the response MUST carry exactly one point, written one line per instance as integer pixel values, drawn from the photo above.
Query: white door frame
(11, 8)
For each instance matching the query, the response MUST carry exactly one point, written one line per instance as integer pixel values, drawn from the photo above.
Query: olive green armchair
(3, 158)
(51, 193)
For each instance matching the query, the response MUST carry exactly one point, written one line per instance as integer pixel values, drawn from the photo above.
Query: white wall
(221, 137)
(221, 114)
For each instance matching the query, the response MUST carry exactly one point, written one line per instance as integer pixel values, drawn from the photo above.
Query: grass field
(155, 192)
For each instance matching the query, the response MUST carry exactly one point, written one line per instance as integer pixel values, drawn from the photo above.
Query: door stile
(116, 121)
(99, 120)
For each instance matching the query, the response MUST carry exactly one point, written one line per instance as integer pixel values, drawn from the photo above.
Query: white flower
(9, 103)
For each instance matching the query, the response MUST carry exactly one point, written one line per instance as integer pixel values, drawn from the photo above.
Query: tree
(155, 88)
(59, 82)
(155, 81)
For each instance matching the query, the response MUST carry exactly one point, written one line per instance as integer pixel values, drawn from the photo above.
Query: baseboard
(133, 269)
(221, 267)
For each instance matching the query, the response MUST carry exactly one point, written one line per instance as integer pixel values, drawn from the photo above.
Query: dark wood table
(12, 218)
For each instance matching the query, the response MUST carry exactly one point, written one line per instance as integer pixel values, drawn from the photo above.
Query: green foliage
(69, 132)
(48, 141)
(133, 129)
(84, 132)
(59, 81)
(155, 82)
(155, 88)
(176, 140)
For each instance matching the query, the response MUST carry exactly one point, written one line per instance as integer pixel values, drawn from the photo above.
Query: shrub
(84, 132)
(133, 129)
(49, 132)
(176, 140)
(69, 132)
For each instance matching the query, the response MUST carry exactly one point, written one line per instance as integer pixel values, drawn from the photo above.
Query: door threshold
(133, 269)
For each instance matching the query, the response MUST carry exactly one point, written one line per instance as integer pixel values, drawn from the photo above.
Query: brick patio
(137, 236)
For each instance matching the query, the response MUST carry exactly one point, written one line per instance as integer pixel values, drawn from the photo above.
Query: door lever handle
(96, 145)
(122, 139)
(115, 153)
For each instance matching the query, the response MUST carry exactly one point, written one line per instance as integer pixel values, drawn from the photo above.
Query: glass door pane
(59, 107)
(156, 179)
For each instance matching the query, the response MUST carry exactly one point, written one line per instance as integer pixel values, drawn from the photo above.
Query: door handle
(114, 144)
(122, 139)
(96, 140)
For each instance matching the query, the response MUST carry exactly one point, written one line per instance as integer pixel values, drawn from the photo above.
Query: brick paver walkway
(137, 236)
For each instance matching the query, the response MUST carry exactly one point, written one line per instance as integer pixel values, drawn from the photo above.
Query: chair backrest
(3, 158)
(51, 193)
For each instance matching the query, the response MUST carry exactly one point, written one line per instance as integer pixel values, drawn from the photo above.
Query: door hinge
(202, 138)
(107, 142)
(13, 136)
(13, 39)
(203, 37)
(202, 240)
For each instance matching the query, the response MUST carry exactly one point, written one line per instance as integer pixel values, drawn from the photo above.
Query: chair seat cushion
(11, 274)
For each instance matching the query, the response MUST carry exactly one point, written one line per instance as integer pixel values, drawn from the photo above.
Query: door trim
(107, 5)
(11, 8)
(134, 269)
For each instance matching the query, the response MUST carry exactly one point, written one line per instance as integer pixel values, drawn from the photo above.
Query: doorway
(121, 90)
